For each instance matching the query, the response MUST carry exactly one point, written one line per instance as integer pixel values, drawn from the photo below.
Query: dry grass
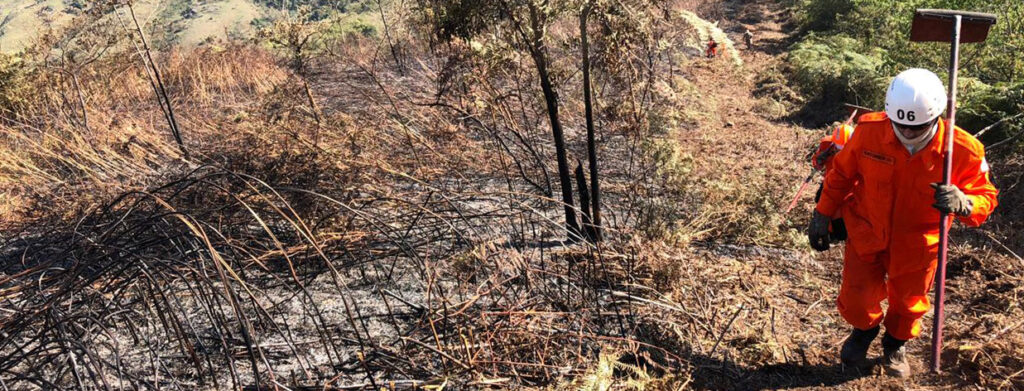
(397, 236)
(401, 233)
(49, 156)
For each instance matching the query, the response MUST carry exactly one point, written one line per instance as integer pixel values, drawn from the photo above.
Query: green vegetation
(834, 69)
(851, 47)
(12, 86)
(322, 9)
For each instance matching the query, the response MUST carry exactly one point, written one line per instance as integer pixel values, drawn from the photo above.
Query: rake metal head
(933, 25)
(856, 111)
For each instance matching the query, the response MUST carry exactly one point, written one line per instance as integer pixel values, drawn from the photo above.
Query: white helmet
(915, 96)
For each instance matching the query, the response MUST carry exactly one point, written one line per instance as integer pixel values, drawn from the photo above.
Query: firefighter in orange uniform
(712, 48)
(831, 145)
(886, 183)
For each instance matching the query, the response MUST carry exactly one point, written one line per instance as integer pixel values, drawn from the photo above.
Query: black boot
(855, 350)
(894, 357)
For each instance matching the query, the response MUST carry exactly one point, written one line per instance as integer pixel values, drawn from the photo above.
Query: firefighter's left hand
(949, 199)
(817, 231)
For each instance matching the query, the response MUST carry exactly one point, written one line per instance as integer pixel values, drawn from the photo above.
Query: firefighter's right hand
(819, 160)
(817, 232)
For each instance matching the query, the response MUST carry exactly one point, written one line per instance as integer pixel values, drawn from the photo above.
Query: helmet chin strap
(917, 143)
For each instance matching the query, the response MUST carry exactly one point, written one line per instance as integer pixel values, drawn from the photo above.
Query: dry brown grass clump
(55, 152)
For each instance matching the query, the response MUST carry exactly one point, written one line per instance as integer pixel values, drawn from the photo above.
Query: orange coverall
(712, 49)
(883, 193)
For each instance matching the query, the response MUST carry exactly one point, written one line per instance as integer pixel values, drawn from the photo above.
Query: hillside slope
(188, 22)
(180, 22)
(21, 20)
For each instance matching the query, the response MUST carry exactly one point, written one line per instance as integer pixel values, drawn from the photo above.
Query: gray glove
(949, 199)
(817, 232)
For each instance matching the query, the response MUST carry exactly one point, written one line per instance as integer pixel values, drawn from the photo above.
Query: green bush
(360, 27)
(13, 88)
(836, 69)
(985, 105)
(852, 47)
(822, 15)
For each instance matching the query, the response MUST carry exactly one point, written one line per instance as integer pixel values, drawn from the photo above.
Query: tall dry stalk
(156, 81)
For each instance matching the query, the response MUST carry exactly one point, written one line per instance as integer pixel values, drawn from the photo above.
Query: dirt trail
(742, 136)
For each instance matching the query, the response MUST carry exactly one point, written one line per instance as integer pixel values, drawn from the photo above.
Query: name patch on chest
(879, 157)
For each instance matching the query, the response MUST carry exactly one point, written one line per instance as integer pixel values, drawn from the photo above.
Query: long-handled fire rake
(955, 27)
(854, 109)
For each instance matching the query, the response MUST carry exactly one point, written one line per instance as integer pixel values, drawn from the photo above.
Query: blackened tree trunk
(581, 184)
(565, 178)
(538, 52)
(594, 228)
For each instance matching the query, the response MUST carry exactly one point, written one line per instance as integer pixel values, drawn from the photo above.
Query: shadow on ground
(721, 374)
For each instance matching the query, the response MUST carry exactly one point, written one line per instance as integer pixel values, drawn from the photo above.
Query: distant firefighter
(712, 49)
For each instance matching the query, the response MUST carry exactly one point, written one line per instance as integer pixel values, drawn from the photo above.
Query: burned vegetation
(355, 211)
(336, 216)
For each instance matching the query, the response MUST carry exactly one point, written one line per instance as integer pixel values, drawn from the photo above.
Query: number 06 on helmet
(916, 96)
